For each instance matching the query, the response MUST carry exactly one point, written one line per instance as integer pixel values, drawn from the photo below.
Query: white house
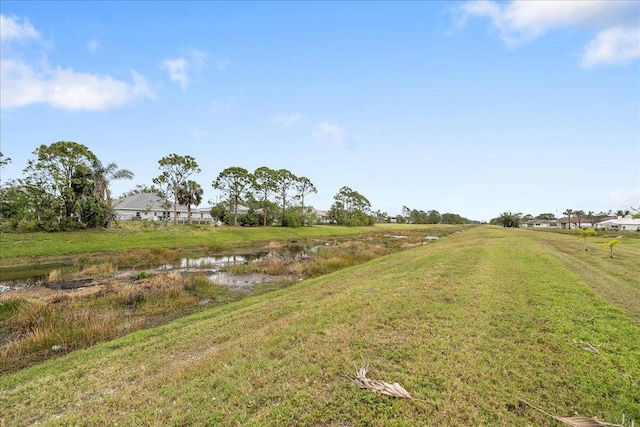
(575, 222)
(626, 223)
(148, 206)
(541, 223)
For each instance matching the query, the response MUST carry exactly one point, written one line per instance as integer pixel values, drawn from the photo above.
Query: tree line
(511, 219)
(66, 187)
(415, 216)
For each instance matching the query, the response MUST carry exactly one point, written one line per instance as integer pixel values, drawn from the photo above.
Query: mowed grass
(468, 325)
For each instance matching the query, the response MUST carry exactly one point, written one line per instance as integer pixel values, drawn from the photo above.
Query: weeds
(83, 320)
(55, 276)
(467, 323)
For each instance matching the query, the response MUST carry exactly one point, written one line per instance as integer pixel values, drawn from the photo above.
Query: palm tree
(583, 234)
(610, 245)
(102, 177)
(568, 212)
(579, 214)
(190, 193)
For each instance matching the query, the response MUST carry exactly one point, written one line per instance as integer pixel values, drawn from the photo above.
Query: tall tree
(4, 160)
(406, 212)
(568, 213)
(546, 216)
(508, 219)
(579, 214)
(102, 177)
(175, 171)
(433, 217)
(233, 181)
(304, 187)
(265, 182)
(351, 208)
(285, 183)
(142, 188)
(190, 193)
(63, 169)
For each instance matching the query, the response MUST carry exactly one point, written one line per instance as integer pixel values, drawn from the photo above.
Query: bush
(291, 220)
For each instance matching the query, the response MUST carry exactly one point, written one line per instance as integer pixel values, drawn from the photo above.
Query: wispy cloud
(616, 46)
(190, 64)
(93, 45)
(623, 198)
(178, 71)
(14, 28)
(222, 64)
(286, 120)
(519, 22)
(334, 133)
(24, 83)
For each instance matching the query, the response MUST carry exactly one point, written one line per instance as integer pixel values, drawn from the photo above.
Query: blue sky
(473, 108)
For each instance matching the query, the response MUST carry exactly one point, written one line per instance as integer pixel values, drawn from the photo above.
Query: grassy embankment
(138, 237)
(100, 303)
(466, 325)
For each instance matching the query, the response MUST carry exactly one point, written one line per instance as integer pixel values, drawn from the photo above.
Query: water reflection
(214, 262)
(209, 265)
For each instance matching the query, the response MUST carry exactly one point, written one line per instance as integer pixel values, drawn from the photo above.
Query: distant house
(541, 223)
(575, 222)
(322, 216)
(626, 223)
(151, 207)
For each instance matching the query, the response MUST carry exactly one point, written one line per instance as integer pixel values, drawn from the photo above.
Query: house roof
(628, 220)
(575, 219)
(145, 201)
(542, 221)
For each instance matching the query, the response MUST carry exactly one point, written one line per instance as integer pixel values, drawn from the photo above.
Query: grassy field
(469, 326)
(24, 248)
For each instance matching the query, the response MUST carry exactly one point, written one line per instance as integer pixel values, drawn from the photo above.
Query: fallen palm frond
(586, 346)
(578, 421)
(379, 387)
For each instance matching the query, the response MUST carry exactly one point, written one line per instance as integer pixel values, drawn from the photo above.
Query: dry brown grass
(379, 387)
(55, 276)
(97, 270)
(578, 421)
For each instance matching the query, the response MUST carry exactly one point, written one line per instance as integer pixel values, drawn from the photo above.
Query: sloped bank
(467, 326)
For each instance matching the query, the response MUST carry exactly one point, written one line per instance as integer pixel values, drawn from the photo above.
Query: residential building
(620, 223)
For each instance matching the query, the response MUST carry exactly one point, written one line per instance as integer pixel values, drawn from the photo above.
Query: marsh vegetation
(95, 300)
(472, 326)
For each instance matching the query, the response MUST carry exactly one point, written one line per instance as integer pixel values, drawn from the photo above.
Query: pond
(35, 276)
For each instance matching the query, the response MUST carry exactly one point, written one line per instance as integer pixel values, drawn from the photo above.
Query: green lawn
(17, 248)
(467, 325)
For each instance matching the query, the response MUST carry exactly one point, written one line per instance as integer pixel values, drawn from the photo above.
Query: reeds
(55, 276)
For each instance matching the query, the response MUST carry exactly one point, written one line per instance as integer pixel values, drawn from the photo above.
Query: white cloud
(198, 58)
(93, 45)
(193, 61)
(519, 22)
(616, 46)
(177, 69)
(335, 133)
(624, 199)
(24, 83)
(13, 28)
(286, 120)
